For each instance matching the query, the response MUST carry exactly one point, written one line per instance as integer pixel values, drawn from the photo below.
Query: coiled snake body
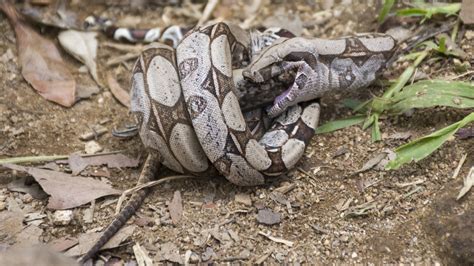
(188, 110)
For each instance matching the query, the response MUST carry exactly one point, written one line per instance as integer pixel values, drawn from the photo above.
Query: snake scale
(188, 111)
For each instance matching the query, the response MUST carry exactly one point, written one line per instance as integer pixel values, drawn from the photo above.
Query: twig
(416, 182)
(468, 183)
(306, 173)
(123, 47)
(460, 164)
(413, 191)
(146, 185)
(47, 158)
(211, 5)
(229, 259)
(460, 76)
(276, 239)
(123, 58)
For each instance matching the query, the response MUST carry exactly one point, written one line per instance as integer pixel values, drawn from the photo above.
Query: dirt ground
(411, 214)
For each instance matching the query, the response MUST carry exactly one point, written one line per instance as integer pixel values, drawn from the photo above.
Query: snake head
(321, 65)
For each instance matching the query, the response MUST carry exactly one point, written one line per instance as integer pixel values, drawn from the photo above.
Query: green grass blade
(376, 135)
(422, 147)
(427, 11)
(430, 93)
(387, 6)
(33, 159)
(338, 124)
(368, 122)
(351, 103)
(411, 12)
(405, 76)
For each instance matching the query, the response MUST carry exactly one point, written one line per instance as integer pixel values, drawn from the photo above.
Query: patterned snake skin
(187, 107)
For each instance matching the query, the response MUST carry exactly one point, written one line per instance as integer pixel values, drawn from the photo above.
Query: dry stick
(211, 5)
(276, 239)
(119, 59)
(46, 158)
(460, 76)
(123, 47)
(458, 168)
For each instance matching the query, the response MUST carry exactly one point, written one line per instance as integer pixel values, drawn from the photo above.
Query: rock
(244, 199)
(92, 147)
(63, 217)
(268, 217)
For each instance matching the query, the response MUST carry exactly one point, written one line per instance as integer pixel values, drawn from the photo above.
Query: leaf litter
(78, 163)
(317, 199)
(66, 191)
(41, 63)
(83, 47)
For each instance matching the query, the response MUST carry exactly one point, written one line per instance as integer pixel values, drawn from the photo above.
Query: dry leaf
(119, 93)
(41, 63)
(66, 191)
(170, 252)
(142, 256)
(24, 185)
(84, 91)
(176, 207)
(372, 162)
(29, 236)
(468, 183)
(78, 163)
(62, 244)
(83, 47)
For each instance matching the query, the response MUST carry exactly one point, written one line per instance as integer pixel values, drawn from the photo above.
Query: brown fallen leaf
(176, 207)
(169, 252)
(82, 46)
(87, 240)
(62, 244)
(66, 191)
(40, 61)
(119, 93)
(29, 236)
(78, 163)
(468, 183)
(372, 162)
(25, 185)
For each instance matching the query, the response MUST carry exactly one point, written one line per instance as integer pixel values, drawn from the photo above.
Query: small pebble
(63, 217)
(92, 147)
(243, 198)
(268, 217)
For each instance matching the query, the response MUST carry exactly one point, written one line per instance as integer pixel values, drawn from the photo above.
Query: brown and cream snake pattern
(188, 111)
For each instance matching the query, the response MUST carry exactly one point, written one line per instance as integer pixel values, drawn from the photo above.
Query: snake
(187, 105)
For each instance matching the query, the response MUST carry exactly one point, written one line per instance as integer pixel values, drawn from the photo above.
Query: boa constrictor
(189, 113)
